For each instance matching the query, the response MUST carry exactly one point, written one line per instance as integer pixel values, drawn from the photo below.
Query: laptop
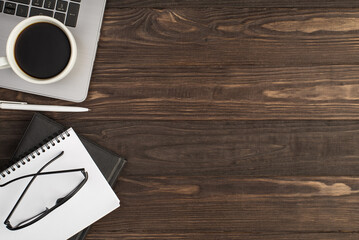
(82, 17)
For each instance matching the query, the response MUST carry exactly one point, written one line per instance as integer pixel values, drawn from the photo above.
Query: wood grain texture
(222, 64)
(233, 64)
(233, 207)
(232, 3)
(239, 119)
(275, 148)
(227, 180)
(255, 148)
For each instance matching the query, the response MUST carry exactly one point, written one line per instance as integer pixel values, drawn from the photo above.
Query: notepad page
(93, 201)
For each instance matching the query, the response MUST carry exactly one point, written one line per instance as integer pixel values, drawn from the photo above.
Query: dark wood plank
(186, 180)
(222, 64)
(244, 36)
(186, 207)
(230, 64)
(231, 3)
(229, 235)
(255, 148)
(162, 80)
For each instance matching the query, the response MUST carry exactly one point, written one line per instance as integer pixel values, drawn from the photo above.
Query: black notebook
(41, 129)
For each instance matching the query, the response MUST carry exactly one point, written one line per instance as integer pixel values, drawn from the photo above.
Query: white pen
(42, 108)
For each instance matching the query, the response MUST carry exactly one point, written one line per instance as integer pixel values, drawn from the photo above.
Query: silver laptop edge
(75, 86)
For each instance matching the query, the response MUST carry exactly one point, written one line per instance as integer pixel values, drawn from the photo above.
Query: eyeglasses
(60, 201)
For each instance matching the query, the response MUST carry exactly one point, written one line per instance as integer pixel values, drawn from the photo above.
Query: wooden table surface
(239, 119)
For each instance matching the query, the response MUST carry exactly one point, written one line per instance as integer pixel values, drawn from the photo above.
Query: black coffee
(42, 50)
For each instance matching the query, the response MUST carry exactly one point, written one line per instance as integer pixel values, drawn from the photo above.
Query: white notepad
(92, 202)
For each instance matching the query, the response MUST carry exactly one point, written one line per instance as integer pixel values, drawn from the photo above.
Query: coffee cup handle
(4, 63)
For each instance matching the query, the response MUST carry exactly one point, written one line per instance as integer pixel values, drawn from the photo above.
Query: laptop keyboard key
(67, 11)
(37, 11)
(22, 10)
(10, 8)
(60, 17)
(72, 14)
(37, 3)
(50, 4)
(21, 1)
(61, 6)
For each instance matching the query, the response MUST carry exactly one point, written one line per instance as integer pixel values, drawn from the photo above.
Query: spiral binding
(30, 157)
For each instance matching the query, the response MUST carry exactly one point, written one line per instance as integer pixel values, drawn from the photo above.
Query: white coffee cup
(10, 61)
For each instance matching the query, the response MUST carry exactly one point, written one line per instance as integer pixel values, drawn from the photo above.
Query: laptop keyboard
(65, 11)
